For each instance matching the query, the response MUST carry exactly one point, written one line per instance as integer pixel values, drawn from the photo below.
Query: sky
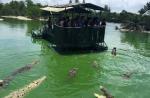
(115, 5)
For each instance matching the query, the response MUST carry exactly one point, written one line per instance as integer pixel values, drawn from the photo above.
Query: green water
(17, 49)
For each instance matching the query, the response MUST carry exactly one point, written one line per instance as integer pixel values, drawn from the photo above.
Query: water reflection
(24, 25)
(140, 41)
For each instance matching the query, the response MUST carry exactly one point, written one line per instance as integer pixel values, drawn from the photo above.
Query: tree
(29, 3)
(1, 6)
(70, 1)
(76, 1)
(83, 1)
(21, 8)
(33, 11)
(142, 11)
(107, 8)
(145, 8)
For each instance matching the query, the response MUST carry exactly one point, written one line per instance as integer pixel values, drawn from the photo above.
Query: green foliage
(29, 3)
(145, 8)
(127, 18)
(21, 8)
(33, 11)
(107, 8)
(146, 22)
(1, 6)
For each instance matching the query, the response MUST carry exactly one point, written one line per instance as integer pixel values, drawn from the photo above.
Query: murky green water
(17, 49)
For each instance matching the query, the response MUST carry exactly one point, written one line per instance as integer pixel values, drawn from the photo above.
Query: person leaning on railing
(103, 23)
(61, 21)
(81, 22)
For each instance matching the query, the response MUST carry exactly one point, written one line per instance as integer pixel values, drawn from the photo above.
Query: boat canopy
(55, 9)
(73, 7)
(83, 5)
(92, 6)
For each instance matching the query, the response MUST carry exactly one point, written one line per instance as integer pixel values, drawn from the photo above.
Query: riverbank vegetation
(131, 21)
(21, 8)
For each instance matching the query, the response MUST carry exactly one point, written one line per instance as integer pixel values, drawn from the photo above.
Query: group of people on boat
(79, 21)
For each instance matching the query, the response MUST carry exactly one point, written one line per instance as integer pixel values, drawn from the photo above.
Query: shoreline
(18, 17)
(25, 18)
(126, 30)
(1, 19)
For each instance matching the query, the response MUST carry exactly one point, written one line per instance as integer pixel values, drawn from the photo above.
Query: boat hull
(76, 38)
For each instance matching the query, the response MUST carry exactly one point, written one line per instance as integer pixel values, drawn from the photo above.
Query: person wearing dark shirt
(49, 22)
(103, 23)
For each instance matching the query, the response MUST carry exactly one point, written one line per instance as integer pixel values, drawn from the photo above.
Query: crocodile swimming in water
(105, 94)
(20, 93)
(10, 77)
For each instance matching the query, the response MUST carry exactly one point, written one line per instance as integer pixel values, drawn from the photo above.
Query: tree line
(21, 8)
(145, 8)
(128, 17)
